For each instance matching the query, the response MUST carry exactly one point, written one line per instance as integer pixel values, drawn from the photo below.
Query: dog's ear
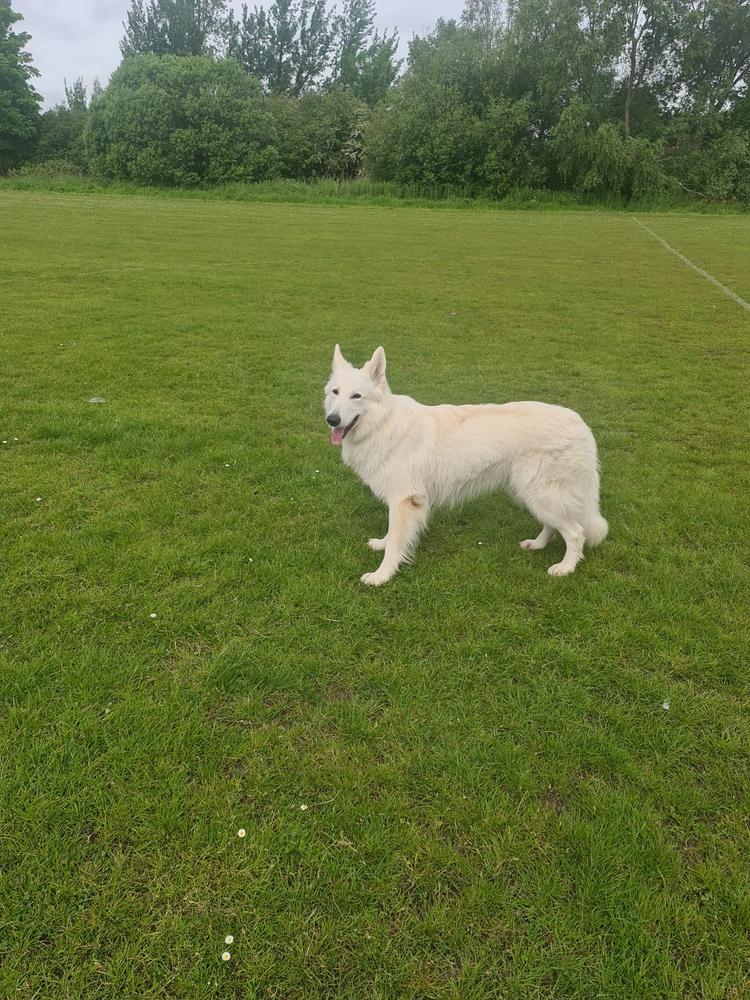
(338, 358)
(376, 366)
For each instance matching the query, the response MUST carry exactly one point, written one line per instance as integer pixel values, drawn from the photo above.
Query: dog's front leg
(406, 518)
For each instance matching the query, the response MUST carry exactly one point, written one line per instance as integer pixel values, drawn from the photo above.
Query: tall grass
(361, 191)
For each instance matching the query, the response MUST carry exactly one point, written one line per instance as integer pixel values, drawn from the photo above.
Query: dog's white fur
(415, 457)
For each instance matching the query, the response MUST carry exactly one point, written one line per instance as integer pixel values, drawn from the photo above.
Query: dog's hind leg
(540, 541)
(377, 544)
(573, 536)
(556, 510)
(406, 518)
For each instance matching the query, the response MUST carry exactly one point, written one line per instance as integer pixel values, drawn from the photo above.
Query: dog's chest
(376, 470)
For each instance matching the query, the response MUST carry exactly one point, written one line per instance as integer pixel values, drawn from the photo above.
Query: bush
(60, 144)
(427, 138)
(512, 157)
(319, 134)
(61, 137)
(706, 156)
(181, 120)
(434, 138)
(448, 123)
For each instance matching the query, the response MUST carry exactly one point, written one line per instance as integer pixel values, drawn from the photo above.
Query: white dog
(416, 457)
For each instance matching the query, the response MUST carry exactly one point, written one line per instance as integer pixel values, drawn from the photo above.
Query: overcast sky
(82, 38)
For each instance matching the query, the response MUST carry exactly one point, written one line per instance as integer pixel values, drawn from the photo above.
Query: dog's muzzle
(338, 433)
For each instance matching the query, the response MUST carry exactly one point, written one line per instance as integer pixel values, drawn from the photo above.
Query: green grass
(385, 194)
(498, 804)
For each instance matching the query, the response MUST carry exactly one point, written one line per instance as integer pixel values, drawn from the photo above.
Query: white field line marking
(694, 267)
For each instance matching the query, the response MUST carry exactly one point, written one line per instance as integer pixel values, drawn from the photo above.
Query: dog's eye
(335, 392)
(356, 395)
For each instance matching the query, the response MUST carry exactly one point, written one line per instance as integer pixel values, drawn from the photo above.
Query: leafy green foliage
(61, 130)
(487, 18)
(19, 102)
(714, 53)
(648, 27)
(448, 124)
(710, 155)
(181, 120)
(609, 98)
(603, 160)
(596, 98)
(174, 27)
(434, 140)
(365, 63)
(319, 134)
(296, 46)
(511, 155)
(288, 47)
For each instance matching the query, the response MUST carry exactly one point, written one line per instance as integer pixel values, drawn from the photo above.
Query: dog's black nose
(333, 419)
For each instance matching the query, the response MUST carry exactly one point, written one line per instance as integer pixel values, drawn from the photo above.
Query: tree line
(609, 97)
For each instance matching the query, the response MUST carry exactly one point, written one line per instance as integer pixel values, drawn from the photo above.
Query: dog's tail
(595, 528)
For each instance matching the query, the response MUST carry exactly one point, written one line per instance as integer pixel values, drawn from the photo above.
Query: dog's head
(352, 394)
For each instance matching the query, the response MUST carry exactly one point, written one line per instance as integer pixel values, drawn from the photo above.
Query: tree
(601, 160)
(288, 47)
(174, 27)
(453, 58)
(75, 96)
(648, 35)
(61, 129)
(486, 17)
(19, 102)
(713, 53)
(365, 61)
(558, 50)
(181, 120)
(449, 122)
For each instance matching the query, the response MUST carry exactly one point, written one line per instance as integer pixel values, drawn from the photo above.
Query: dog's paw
(376, 544)
(560, 569)
(376, 579)
(531, 545)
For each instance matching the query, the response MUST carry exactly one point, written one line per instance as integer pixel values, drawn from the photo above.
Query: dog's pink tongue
(337, 435)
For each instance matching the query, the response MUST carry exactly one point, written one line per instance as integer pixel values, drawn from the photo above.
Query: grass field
(461, 785)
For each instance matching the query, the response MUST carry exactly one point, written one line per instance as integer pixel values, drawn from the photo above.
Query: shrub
(706, 156)
(181, 120)
(319, 134)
